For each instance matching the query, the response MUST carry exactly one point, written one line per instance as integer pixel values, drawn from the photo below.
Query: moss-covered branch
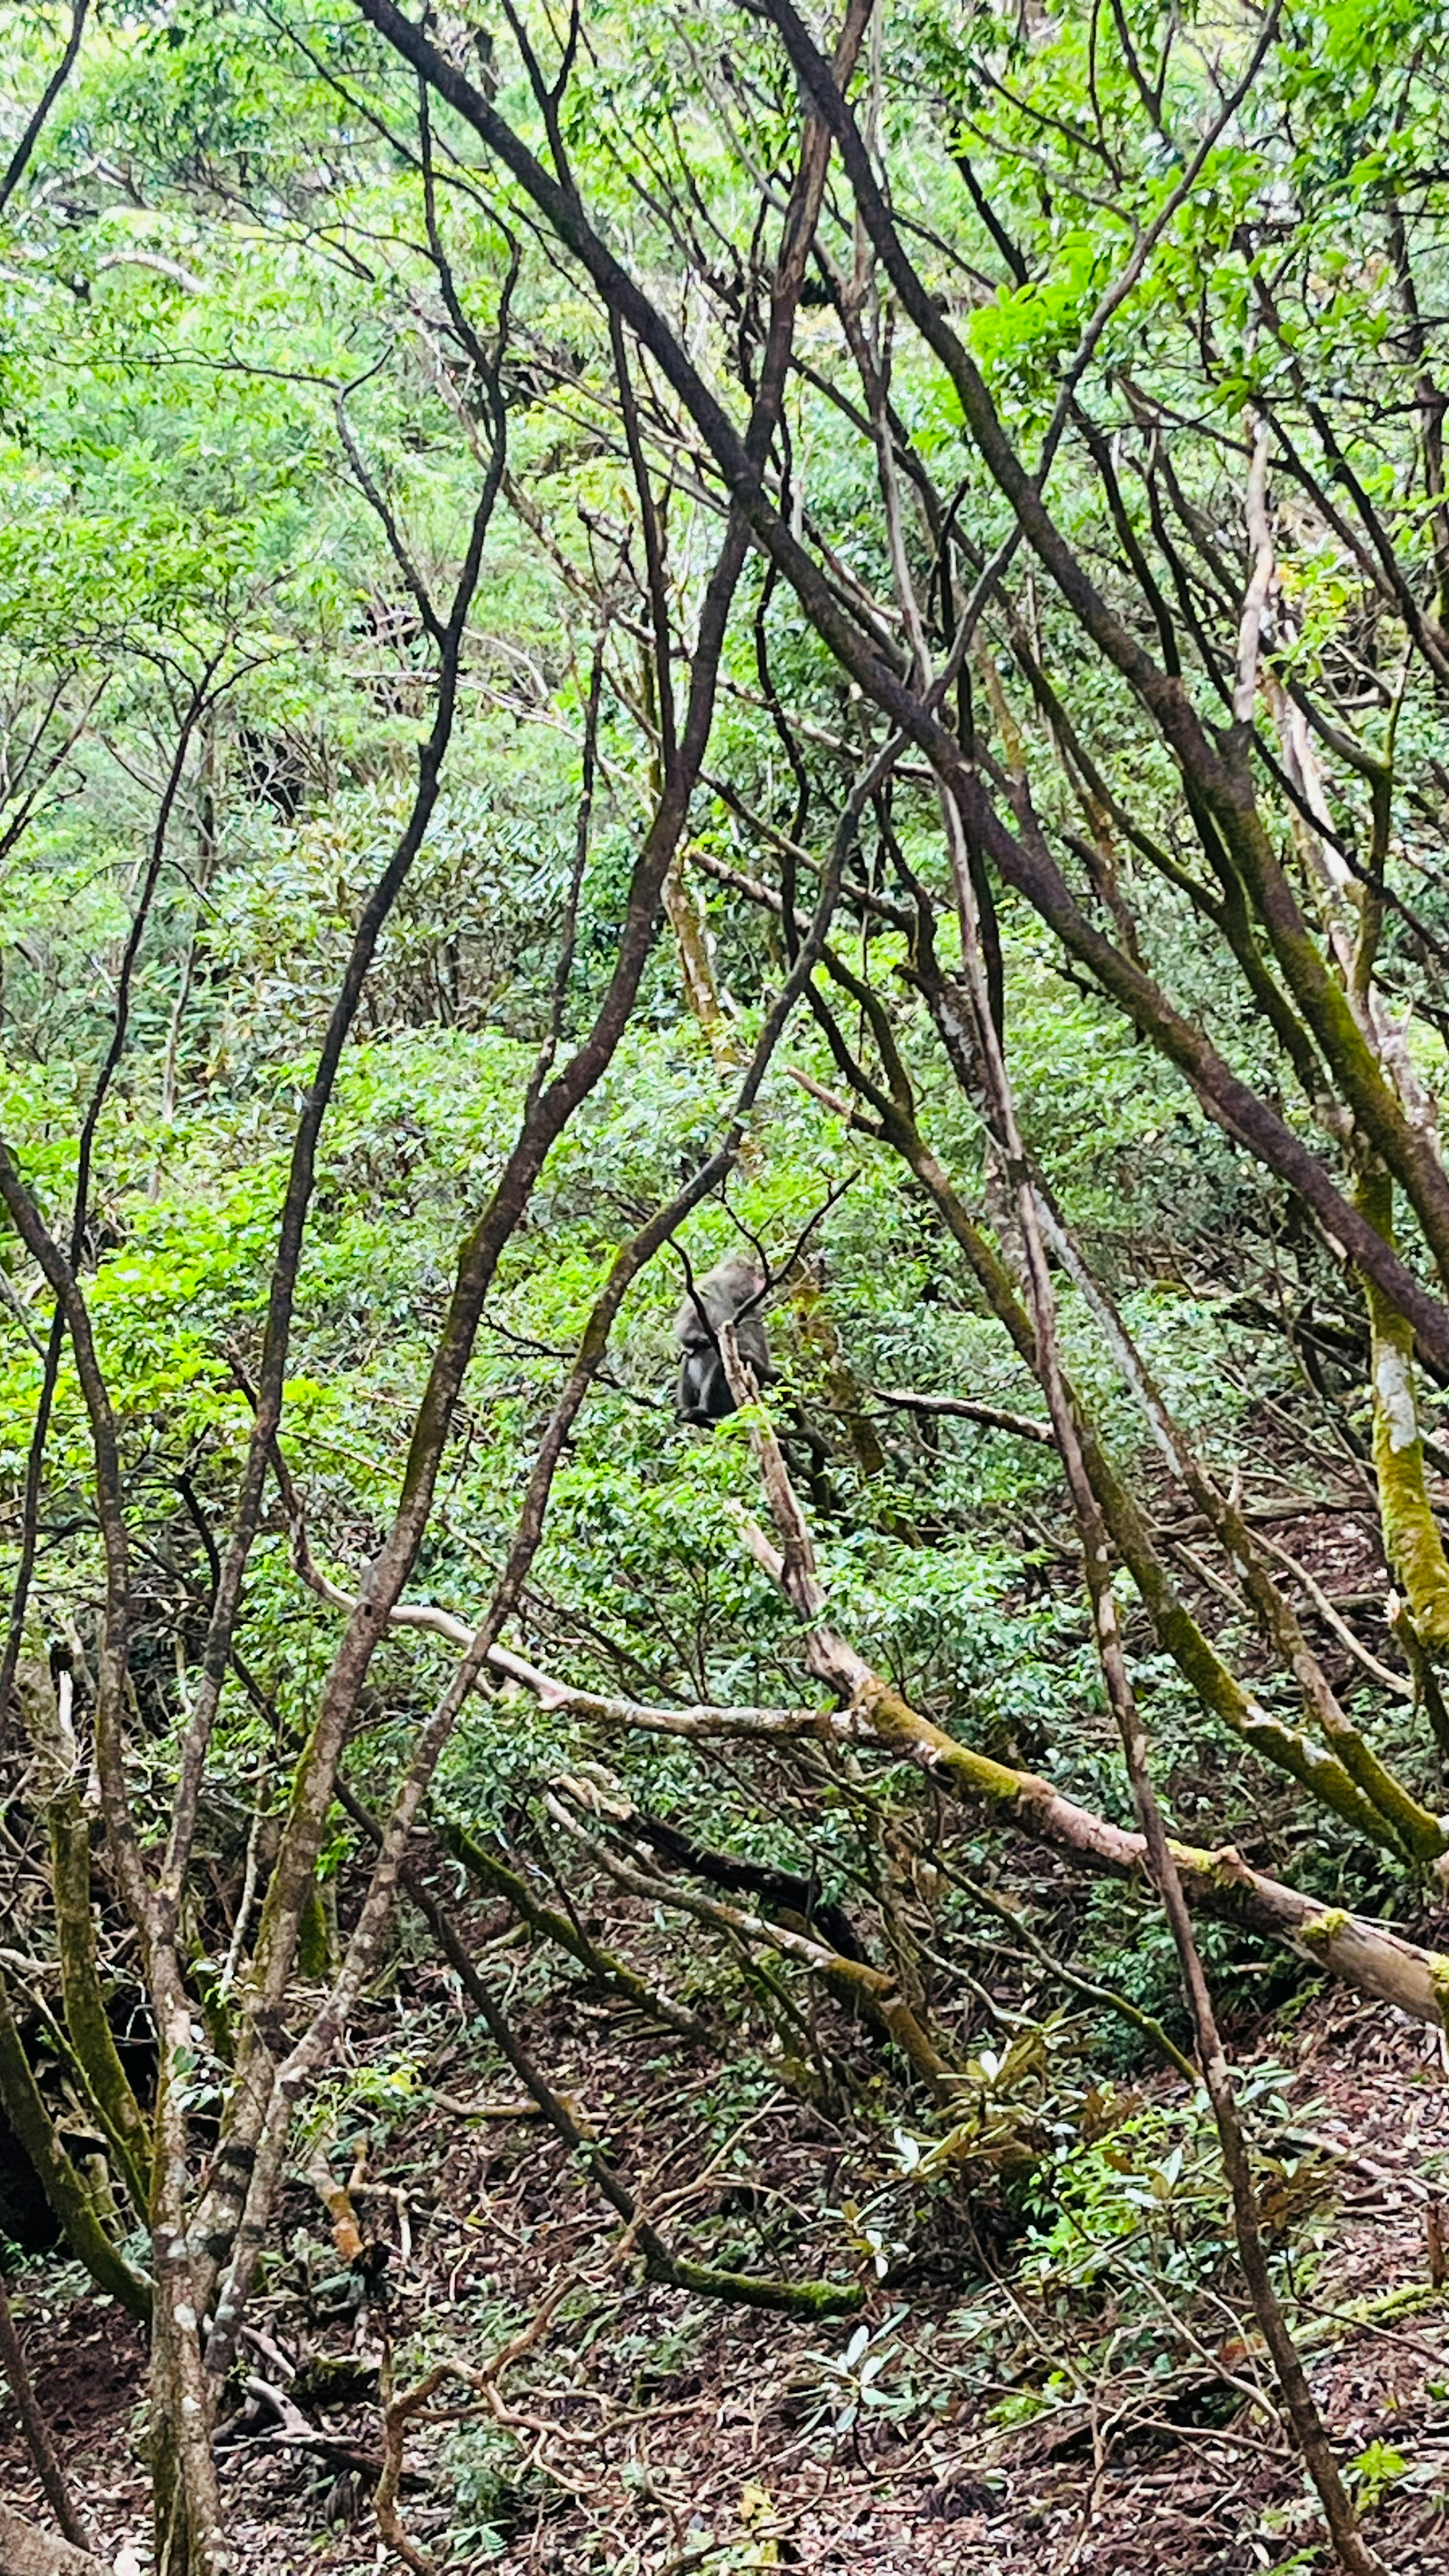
(1411, 1534)
(73, 2205)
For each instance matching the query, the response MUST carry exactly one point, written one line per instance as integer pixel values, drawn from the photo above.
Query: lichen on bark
(1411, 1534)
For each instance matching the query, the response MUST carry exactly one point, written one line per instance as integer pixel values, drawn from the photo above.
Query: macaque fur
(726, 1295)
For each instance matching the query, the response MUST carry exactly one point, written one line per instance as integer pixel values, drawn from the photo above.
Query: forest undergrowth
(1094, 2398)
(724, 1286)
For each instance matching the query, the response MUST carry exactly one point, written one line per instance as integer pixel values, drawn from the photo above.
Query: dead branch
(969, 1409)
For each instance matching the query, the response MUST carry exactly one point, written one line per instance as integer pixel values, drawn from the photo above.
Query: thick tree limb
(26, 2550)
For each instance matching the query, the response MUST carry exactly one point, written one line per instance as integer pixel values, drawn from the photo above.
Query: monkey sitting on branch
(728, 1294)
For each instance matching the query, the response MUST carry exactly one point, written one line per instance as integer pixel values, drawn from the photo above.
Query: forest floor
(648, 2433)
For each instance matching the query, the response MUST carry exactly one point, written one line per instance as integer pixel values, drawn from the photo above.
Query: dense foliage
(663, 635)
